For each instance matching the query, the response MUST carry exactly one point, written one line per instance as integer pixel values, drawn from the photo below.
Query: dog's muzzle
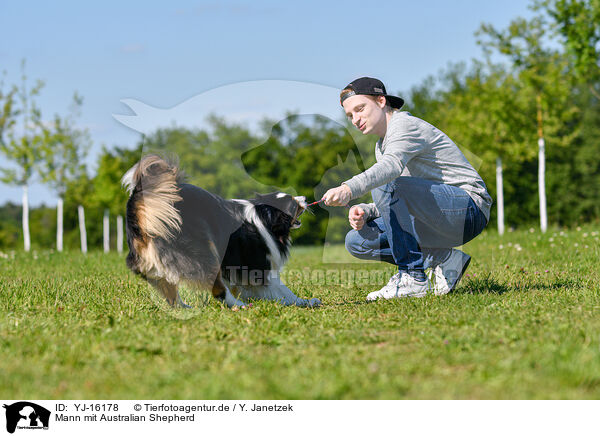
(301, 202)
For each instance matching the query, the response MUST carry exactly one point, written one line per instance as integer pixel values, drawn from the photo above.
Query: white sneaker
(448, 274)
(400, 286)
(392, 286)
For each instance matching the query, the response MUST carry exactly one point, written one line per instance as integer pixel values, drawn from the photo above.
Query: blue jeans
(420, 222)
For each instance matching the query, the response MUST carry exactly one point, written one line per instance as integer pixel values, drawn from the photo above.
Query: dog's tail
(153, 188)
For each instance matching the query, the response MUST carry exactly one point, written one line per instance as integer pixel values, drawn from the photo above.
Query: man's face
(366, 113)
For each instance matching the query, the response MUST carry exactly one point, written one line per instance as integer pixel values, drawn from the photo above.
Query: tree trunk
(82, 232)
(542, 184)
(119, 234)
(26, 237)
(106, 227)
(59, 225)
(499, 196)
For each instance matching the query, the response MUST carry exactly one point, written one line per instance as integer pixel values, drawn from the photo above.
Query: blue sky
(165, 53)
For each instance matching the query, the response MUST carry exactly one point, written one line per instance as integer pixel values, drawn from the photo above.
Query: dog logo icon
(26, 415)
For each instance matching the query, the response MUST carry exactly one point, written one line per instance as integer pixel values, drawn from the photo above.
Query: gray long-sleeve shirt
(413, 147)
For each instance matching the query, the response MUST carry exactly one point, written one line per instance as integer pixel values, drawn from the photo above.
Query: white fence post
(499, 196)
(119, 234)
(82, 232)
(59, 225)
(542, 184)
(106, 227)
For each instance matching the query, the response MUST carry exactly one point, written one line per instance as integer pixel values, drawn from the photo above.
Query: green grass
(524, 324)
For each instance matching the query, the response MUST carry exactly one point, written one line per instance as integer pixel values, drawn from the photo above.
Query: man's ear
(381, 101)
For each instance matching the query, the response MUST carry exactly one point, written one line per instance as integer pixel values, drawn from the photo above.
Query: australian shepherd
(179, 234)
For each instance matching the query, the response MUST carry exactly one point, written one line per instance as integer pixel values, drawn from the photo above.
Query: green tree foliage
(97, 194)
(482, 108)
(578, 23)
(210, 158)
(43, 226)
(544, 74)
(10, 232)
(63, 150)
(21, 143)
(308, 154)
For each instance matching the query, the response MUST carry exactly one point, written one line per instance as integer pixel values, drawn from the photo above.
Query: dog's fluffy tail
(153, 188)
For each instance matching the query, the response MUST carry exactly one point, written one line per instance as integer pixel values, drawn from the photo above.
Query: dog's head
(280, 211)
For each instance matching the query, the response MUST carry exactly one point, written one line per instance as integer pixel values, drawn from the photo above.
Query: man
(427, 196)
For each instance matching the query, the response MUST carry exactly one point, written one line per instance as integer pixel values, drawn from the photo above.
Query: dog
(180, 234)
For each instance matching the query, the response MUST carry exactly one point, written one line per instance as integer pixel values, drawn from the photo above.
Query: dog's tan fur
(156, 213)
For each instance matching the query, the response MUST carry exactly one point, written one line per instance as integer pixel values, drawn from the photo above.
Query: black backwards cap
(371, 86)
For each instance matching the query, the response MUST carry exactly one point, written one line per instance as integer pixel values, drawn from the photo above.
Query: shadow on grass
(490, 285)
(483, 285)
(141, 350)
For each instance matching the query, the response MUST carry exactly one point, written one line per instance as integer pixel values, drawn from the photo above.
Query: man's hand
(356, 216)
(339, 196)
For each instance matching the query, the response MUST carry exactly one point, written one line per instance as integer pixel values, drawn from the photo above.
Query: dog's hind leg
(169, 291)
(221, 292)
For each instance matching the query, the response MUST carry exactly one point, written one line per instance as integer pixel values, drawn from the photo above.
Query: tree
(483, 109)
(62, 158)
(578, 22)
(21, 143)
(544, 71)
(100, 193)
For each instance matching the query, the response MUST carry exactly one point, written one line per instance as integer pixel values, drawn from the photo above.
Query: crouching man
(427, 197)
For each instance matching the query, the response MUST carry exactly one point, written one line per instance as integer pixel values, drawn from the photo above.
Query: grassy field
(524, 324)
